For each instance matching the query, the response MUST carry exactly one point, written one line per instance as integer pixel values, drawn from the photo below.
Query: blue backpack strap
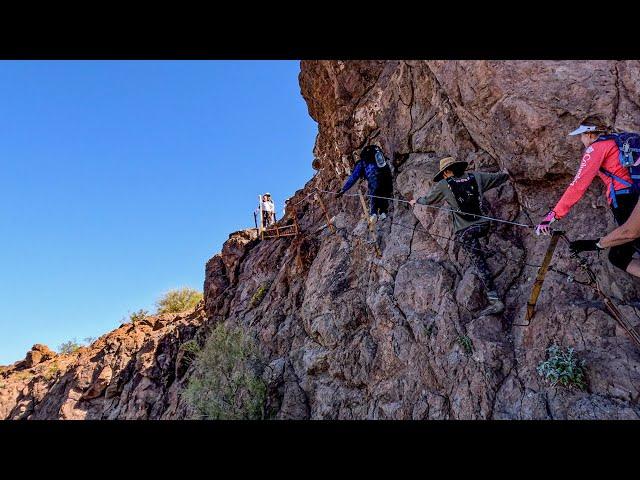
(612, 190)
(616, 178)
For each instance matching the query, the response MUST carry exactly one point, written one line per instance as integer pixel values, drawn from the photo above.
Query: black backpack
(467, 195)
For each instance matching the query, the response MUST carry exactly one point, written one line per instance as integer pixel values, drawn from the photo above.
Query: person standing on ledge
(268, 210)
(464, 193)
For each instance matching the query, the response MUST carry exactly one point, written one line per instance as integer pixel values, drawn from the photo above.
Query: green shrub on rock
(465, 342)
(69, 347)
(138, 316)
(259, 295)
(178, 300)
(563, 368)
(226, 383)
(190, 346)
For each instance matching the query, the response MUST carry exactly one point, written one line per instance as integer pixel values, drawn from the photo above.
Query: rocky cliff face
(349, 335)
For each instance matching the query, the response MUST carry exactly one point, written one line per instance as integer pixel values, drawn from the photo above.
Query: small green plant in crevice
(71, 346)
(178, 300)
(52, 371)
(24, 375)
(138, 316)
(190, 350)
(190, 347)
(563, 368)
(227, 382)
(259, 295)
(430, 328)
(465, 342)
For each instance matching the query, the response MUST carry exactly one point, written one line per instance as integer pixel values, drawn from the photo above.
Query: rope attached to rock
(569, 276)
(455, 240)
(493, 219)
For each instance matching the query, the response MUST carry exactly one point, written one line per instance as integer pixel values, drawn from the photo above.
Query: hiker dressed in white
(268, 210)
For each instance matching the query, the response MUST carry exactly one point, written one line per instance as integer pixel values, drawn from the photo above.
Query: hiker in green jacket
(464, 193)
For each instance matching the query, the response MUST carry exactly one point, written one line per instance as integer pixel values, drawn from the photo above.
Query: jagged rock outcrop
(133, 372)
(39, 353)
(348, 335)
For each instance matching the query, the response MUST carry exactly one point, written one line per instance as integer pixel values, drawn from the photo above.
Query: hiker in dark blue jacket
(373, 166)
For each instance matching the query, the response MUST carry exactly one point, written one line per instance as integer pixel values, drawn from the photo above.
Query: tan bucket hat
(445, 164)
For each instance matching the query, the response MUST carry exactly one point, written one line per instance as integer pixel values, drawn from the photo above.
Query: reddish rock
(127, 374)
(38, 354)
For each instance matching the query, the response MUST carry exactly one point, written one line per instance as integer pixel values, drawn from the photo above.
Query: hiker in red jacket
(601, 158)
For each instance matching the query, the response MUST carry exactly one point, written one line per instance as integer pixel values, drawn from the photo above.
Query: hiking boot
(494, 308)
(382, 216)
(495, 304)
(373, 218)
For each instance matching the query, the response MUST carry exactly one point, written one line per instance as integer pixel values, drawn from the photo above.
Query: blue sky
(119, 179)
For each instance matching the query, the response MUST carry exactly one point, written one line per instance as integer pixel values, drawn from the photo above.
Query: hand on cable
(578, 246)
(412, 203)
(543, 226)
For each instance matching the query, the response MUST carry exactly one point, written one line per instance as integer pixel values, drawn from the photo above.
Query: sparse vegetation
(190, 346)
(89, 340)
(52, 371)
(465, 342)
(190, 350)
(24, 375)
(563, 368)
(69, 347)
(138, 316)
(259, 295)
(226, 384)
(430, 328)
(178, 300)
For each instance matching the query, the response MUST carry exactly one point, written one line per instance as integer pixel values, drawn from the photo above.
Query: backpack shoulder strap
(615, 177)
(609, 136)
(474, 181)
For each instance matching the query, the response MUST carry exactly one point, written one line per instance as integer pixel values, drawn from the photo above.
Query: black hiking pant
(470, 239)
(379, 205)
(620, 256)
(268, 218)
(380, 186)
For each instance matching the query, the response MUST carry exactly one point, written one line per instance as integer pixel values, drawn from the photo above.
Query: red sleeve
(589, 167)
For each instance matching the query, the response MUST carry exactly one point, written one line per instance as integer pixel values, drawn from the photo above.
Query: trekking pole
(261, 218)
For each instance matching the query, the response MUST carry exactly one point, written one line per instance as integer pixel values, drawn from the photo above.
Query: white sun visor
(583, 129)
